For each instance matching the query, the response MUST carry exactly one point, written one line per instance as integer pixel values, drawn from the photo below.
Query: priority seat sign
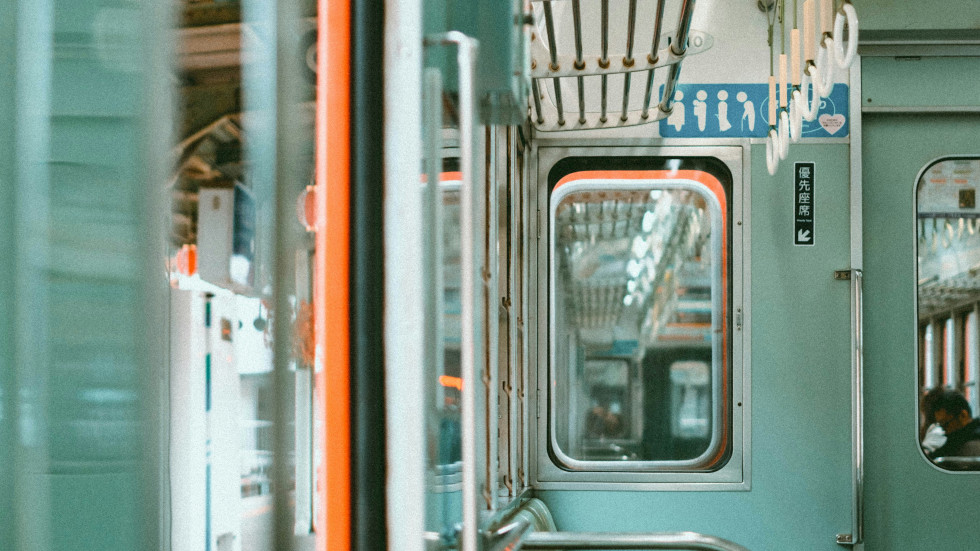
(803, 204)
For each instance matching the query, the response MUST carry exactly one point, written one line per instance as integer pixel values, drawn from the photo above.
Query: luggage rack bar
(548, 63)
(613, 540)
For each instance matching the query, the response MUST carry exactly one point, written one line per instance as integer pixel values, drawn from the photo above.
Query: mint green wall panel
(917, 81)
(909, 503)
(922, 15)
(800, 496)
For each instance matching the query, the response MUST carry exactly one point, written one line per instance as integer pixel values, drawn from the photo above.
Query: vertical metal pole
(857, 319)
(653, 56)
(549, 22)
(628, 61)
(604, 60)
(579, 63)
(857, 404)
(287, 184)
(537, 100)
(471, 282)
(679, 47)
(432, 242)
(667, 99)
(491, 321)
(513, 301)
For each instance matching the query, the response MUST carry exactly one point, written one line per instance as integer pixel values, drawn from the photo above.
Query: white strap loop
(796, 116)
(850, 14)
(783, 134)
(812, 108)
(823, 77)
(772, 156)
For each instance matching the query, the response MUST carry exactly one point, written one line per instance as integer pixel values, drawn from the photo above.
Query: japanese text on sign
(803, 205)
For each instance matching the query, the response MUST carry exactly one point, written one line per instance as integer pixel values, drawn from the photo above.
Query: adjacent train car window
(948, 257)
(640, 321)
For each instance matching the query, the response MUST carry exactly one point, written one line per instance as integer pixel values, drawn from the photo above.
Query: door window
(948, 261)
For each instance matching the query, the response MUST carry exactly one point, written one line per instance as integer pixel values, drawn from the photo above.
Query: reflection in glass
(638, 316)
(948, 261)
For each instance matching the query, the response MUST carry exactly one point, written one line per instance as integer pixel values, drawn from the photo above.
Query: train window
(948, 258)
(640, 323)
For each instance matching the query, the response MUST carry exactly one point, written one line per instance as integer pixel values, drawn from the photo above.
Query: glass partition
(639, 320)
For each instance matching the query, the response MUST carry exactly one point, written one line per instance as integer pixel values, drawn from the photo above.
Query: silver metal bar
(921, 109)
(653, 56)
(679, 47)
(628, 61)
(857, 394)
(647, 96)
(579, 63)
(558, 102)
(922, 43)
(549, 22)
(698, 42)
(491, 299)
(604, 15)
(604, 60)
(614, 540)
(469, 201)
(658, 24)
(602, 117)
(624, 116)
(432, 244)
(537, 101)
(513, 300)
(507, 536)
(469, 279)
(667, 100)
(577, 21)
(287, 157)
(857, 321)
(630, 32)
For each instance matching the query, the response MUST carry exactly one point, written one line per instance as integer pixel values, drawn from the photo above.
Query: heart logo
(832, 123)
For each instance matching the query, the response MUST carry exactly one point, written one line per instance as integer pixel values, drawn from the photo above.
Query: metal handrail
(624, 540)
(857, 430)
(470, 198)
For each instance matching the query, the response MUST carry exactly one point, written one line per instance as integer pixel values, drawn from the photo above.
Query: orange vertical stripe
(331, 290)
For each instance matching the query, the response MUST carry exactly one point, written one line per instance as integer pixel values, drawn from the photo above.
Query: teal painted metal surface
(921, 15)
(75, 468)
(909, 503)
(801, 387)
(503, 60)
(948, 81)
(7, 178)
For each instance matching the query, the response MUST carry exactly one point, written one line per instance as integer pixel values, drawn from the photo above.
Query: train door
(921, 163)
(624, 441)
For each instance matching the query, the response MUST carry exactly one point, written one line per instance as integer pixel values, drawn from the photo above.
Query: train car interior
(493, 275)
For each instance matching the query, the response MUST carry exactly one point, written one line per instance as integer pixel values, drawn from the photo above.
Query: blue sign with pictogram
(742, 111)
(803, 205)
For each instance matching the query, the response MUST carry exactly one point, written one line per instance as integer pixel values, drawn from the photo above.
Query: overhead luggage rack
(590, 73)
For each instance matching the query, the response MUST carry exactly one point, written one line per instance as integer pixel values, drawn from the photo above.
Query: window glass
(639, 307)
(948, 257)
(971, 359)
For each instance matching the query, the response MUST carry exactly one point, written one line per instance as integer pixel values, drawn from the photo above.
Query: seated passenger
(951, 410)
(931, 434)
